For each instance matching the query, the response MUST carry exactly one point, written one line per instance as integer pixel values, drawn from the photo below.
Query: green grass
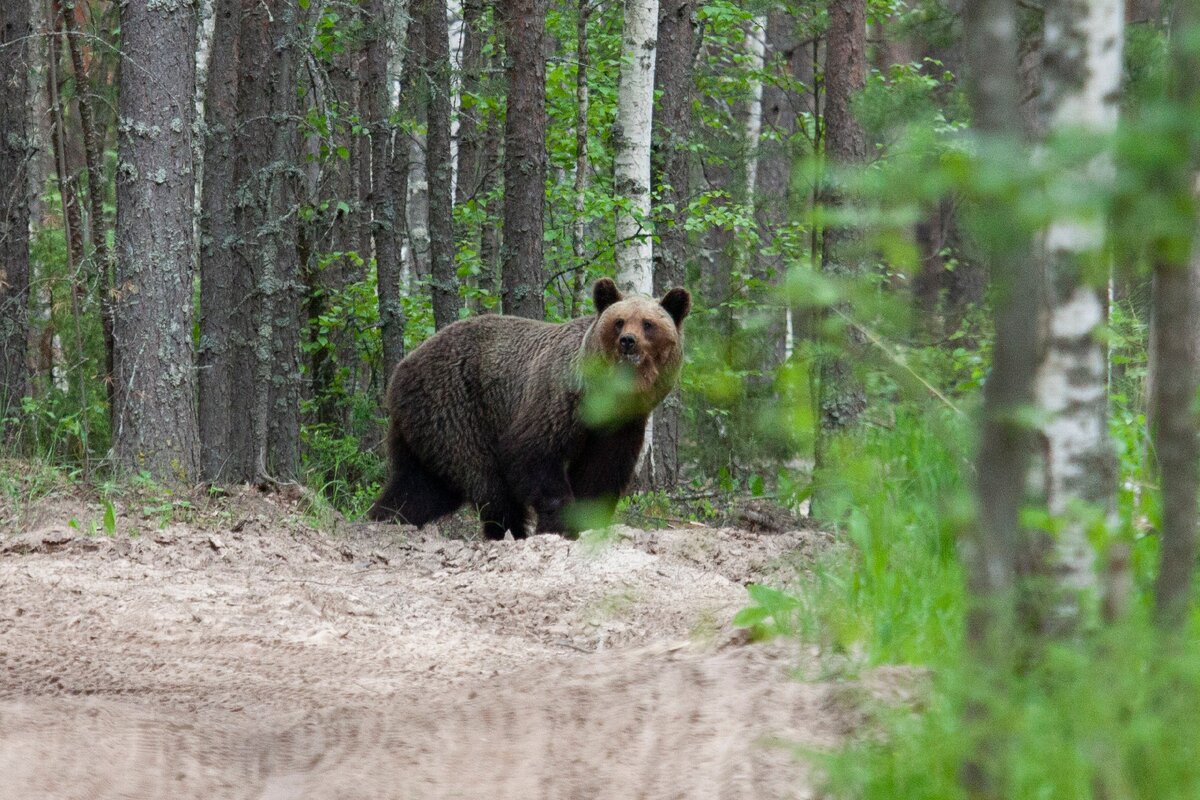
(1109, 714)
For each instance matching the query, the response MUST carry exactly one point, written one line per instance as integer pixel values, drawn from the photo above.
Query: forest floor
(239, 648)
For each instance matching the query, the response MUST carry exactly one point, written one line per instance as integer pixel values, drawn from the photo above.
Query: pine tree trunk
(439, 168)
(1081, 70)
(579, 223)
(218, 263)
(470, 127)
(155, 414)
(16, 151)
(492, 169)
(388, 188)
(631, 143)
(267, 383)
(992, 554)
(1176, 355)
(842, 397)
(523, 274)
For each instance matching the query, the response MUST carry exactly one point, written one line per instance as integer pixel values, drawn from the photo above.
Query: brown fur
(487, 412)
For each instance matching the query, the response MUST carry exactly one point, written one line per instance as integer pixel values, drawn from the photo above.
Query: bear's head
(640, 334)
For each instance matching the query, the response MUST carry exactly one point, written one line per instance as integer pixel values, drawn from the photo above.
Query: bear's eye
(647, 326)
(620, 324)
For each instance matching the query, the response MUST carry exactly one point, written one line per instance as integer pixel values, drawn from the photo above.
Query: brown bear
(488, 411)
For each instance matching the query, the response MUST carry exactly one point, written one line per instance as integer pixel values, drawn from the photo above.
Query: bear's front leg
(545, 487)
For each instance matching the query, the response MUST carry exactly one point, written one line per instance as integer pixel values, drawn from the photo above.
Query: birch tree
(631, 142)
(439, 168)
(1081, 77)
(155, 406)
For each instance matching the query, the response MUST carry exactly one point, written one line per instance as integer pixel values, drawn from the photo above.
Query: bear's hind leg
(413, 495)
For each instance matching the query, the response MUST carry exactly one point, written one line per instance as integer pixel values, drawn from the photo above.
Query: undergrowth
(1109, 713)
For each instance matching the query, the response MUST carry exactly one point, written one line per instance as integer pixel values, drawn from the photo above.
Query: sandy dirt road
(245, 654)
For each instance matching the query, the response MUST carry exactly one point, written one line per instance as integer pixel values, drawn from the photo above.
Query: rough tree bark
(522, 272)
(389, 160)
(15, 155)
(470, 128)
(443, 279)
(218, 238)
(579, 224)
(155, 414)
(842, 397)
(492, 169)
(671, 175)
(1081, 78)
(631, 145)
(266, 388)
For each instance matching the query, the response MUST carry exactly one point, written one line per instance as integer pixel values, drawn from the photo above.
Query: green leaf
(110, 519)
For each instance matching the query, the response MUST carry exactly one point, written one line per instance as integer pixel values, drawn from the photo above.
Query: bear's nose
(627, 342)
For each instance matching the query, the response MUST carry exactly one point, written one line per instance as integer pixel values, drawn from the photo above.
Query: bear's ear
(604, 294)
(678, 303)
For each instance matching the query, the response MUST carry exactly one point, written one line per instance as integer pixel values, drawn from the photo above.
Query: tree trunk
(992, 554)
(1176, 355)
(756, 49)
(671, 171)
(631, 145)
(16, 152)
(267, 384)
(415, 107)
(990, 35)
(579, 223)
(775, 201)
(1081, 70)
(842, 397)
(492, 169)
(218, 264)
(470, 127)
(522, 272)
(93, 150)
(155, 413)
(389, 160)
(443, 280)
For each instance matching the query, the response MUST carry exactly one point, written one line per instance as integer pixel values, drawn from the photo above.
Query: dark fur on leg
(603, 471)
(413, 494)
(500, 517)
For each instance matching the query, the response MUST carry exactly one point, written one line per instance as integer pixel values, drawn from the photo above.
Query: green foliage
(1107, 716)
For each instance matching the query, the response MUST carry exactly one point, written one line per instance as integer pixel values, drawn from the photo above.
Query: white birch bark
(635, 109)
(454, 22)
(1081, 82)
(756, 48)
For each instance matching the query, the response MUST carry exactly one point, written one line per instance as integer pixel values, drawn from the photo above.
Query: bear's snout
(627, 342)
